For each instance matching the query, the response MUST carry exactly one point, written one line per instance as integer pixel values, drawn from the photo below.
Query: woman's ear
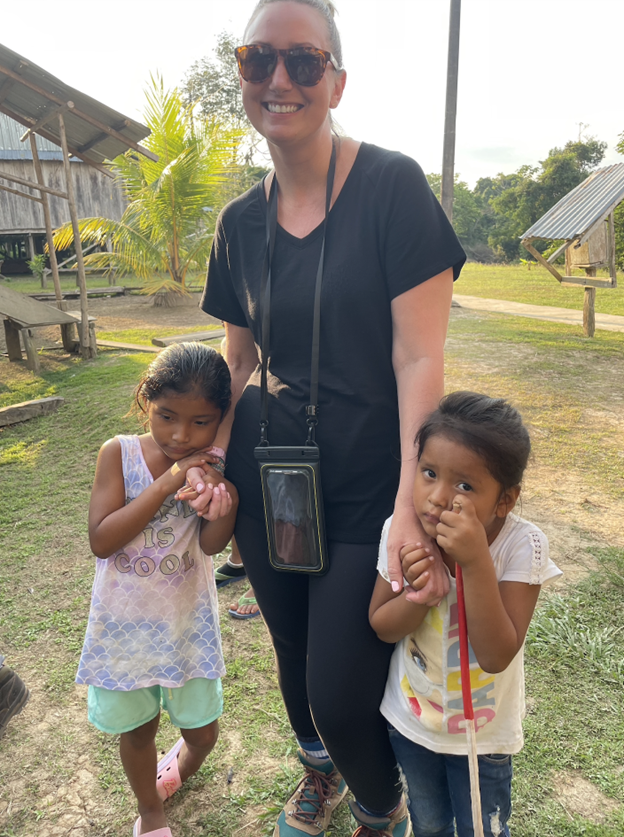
(341, 80)
(507, 501)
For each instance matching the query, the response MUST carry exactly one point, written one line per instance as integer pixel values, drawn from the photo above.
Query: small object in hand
(230, 775)
(457, 506)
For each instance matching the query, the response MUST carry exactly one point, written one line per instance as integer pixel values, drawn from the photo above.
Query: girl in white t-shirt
(153, 636)
(472, 452)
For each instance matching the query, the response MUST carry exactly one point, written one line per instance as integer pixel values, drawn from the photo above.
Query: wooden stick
(21, 194)
(86, 349)
(471, 735)
(48, 223)
(29, 183)
(45, 119)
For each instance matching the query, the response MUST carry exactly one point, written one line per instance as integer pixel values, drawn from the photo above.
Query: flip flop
(160, 832)
(168, 779)
(244, 600)
(228, 575)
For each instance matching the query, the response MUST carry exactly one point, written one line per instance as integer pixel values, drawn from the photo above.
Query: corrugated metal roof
(12, 149)
(28, 93)
(582, 208)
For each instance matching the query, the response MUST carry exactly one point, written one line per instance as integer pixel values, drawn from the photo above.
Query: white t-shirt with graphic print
(423, 698)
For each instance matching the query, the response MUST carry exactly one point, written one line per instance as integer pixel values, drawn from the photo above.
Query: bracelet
(218, 466)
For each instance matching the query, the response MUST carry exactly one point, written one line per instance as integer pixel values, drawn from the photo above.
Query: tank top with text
(154, 616)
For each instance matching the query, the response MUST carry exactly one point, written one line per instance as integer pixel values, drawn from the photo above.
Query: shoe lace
(365, 831)
(314, 790)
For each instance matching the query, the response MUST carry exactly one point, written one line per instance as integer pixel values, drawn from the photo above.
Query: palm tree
(168, 226)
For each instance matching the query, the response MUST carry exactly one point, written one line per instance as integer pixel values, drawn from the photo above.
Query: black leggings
(332, 668)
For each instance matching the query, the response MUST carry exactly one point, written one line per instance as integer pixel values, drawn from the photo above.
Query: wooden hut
(22, 225)
(583, 221)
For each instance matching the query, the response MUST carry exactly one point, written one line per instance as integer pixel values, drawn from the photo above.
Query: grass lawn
(536, 286)
(30, 285)
(143, 336)
(60, 773)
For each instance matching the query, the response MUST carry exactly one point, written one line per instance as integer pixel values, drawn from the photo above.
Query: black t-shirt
(386, 233)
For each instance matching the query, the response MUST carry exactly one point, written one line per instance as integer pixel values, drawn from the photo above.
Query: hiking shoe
(226, 574)
(309, 809)
(13, 696)
(397, 824)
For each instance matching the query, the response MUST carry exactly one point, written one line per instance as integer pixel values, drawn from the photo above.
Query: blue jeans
(438, 787)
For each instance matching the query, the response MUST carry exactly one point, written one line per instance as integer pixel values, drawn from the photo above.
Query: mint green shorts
(196, 704)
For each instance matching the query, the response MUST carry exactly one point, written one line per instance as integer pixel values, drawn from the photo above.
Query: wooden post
(48, 224)
(11, 337)
(86, 349)
(448, 154)
(32, 358)
(589, 314)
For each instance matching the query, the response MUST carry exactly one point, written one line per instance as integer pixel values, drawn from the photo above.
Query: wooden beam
(119, 126)
(29, 409)
(47, 221)
(585, 282)
(31, 185)
(526, 243)
(80, 114)
(21, 194)
(86, 350)
(45, 119)
(213, 334)
(612, 268)
(26, 122)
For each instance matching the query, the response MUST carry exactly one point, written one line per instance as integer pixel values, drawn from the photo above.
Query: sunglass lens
(306, 68)
(256, 65)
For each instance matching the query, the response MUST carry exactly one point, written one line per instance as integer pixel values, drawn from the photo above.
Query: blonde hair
(325, 8)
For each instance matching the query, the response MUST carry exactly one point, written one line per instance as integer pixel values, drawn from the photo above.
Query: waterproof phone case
(293, 508)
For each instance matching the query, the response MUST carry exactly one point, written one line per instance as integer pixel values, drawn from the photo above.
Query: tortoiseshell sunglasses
(304, 65)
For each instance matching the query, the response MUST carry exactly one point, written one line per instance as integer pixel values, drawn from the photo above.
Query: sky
(533, 74)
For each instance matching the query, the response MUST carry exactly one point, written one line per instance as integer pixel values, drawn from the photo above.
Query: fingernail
(200, 486)
(210, 486)
(395, 587)
(222, 486)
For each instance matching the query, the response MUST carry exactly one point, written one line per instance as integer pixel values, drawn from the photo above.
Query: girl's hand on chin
(461, 534)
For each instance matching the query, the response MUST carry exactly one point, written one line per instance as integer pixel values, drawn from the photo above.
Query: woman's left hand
(406, 529)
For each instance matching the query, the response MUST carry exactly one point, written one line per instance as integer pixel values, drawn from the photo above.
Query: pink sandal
(168, 779)
(160, 832)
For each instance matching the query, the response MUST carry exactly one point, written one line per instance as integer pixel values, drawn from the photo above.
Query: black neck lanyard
(265, 296)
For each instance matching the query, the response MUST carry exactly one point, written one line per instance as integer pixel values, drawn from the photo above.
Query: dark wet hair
(490, 427)
(186, 367)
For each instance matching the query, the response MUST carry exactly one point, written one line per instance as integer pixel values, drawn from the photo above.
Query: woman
(390, 259)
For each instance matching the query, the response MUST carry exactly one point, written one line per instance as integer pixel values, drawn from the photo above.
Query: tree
(168, 226)
(212, 85)
(212, 88)
(468, 215)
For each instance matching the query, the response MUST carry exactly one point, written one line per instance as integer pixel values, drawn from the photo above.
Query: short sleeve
(419, 241)
(528, 560)
(219, 298)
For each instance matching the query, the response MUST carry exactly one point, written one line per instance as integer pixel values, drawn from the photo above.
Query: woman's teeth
(272, 108)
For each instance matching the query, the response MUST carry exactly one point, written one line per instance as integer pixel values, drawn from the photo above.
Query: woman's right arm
(112, 522)
(241, 356)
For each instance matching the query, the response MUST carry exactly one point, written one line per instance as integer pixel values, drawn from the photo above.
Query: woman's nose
(280, 80)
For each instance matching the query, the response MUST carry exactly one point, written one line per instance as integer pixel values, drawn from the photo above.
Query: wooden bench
(21, 314)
